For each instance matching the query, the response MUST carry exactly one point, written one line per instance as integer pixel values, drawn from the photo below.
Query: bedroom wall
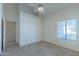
(50, 27)
(0, 27)
(11, 13)
(30, 28)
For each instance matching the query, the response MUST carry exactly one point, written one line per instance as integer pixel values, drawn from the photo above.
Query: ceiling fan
(38, 10)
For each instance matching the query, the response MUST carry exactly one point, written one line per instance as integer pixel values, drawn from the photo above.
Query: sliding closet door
(0, 28)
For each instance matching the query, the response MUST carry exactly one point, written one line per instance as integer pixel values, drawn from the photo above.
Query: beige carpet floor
(39, 49)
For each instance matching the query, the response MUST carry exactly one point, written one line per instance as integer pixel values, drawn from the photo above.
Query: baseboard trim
(30, 43)
(60, 46)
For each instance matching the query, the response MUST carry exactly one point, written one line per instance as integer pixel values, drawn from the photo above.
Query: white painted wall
(0, 27)
(30, 28)
(11, 13)
(50, 27)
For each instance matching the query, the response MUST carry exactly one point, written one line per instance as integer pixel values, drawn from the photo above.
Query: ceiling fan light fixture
(41, 9)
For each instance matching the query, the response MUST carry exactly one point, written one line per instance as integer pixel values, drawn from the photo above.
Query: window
(67, 29)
